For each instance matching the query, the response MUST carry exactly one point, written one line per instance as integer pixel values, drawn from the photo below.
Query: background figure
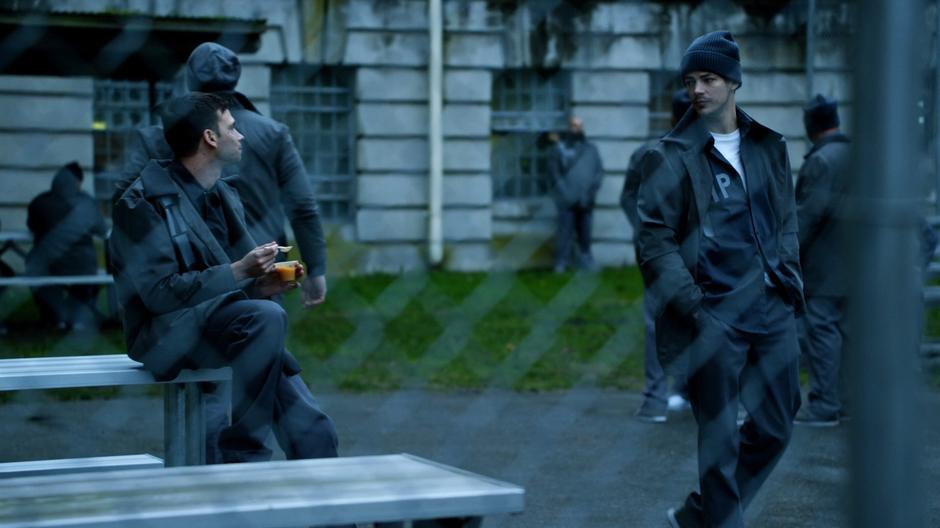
(5, 271)
(820, 193)
(63, 221)
(576, 170)
(656, 399)
(270, 179)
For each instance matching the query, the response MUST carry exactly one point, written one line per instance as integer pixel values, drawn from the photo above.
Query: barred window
(316, 102)
(120, 107)
(526, 105)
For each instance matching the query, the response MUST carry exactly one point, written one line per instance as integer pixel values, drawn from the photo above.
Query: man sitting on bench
(196, 288)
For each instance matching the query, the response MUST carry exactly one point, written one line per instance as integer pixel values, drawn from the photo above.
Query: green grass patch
(443, 331)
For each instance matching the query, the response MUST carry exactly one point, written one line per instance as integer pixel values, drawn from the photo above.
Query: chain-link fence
(525, 375)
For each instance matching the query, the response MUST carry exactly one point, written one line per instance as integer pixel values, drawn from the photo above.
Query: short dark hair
(185, 118)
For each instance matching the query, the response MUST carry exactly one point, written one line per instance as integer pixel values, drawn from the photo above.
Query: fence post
(886, 489)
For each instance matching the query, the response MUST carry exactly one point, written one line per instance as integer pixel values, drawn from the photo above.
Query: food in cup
(287, 271)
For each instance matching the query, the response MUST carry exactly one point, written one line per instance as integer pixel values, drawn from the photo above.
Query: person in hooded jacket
(196, 289)
(63, 221)
(270, 178)
(576, 171)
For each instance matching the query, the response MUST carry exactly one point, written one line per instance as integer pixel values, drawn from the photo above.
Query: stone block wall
(46, 123)
(612, 51)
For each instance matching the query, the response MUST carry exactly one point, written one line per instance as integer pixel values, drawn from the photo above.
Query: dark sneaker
(651, 412)
(808, 417)
(680, 518)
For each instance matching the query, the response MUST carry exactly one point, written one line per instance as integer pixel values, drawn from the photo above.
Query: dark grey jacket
(820, 196)
(63, 221)
(270, 179)
(576, 181)
(166, 304)
(673, 200)
(631, 184)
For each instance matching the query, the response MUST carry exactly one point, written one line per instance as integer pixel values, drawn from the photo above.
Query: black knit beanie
(715, 52)
(820, 114)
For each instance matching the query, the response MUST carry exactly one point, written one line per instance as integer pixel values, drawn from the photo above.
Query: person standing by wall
(719, 252)
(576, 171)
(820, 192)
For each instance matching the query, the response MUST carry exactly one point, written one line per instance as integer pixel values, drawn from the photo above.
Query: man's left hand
(314, 291)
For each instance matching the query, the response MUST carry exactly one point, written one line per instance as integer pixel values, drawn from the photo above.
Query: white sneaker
(678, 403)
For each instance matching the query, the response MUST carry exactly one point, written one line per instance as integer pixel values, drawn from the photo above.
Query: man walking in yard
(820, 192)
(719, 254)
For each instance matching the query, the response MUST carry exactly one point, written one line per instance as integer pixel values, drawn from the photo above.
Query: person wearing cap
(719, 255)
(656, 399)
(820, 193)
(270, 178)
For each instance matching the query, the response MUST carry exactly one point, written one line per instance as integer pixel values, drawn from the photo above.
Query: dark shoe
(681, 518)
(808, 417)
(651, 412)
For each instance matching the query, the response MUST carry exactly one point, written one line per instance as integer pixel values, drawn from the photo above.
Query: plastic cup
(287, 271)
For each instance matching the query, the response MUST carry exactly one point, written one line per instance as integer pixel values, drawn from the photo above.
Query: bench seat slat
(57, 280)
(87, 371)
(31, 468)
(284, 493)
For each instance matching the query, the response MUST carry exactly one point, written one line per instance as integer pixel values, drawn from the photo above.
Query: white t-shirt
(730, 147)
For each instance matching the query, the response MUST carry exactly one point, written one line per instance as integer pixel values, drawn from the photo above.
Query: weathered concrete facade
(611, 49)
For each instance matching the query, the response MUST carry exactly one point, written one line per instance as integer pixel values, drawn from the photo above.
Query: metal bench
(35, 468)
(56, 280)
(184, 413)
(386, 488)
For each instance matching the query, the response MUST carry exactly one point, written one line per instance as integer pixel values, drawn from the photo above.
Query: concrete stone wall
(46, 123)
(611, 50)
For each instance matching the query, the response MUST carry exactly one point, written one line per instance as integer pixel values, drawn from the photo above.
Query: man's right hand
(256, 263)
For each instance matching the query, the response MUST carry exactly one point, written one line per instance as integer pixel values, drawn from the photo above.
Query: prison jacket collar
(690, 132)
(837, 137)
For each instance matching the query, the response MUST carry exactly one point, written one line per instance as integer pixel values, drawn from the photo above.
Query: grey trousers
(656, 390)
(573, 237)
(761, 371)
(822, 338)
(248, 335)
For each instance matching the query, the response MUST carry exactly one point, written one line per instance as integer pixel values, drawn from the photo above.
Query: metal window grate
(526, 105)
(119, 107)
(316, 103)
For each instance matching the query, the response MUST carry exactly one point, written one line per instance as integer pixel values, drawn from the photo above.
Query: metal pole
(936, 113)
(886, 487)
(435, 135)
(810, 47)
